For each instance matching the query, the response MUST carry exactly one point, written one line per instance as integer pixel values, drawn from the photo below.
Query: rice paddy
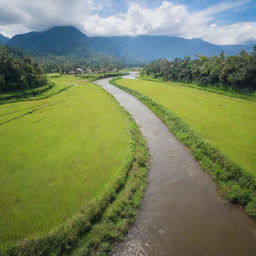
(58, 154)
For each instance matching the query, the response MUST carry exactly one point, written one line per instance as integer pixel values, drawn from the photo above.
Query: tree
(238, 71)
(18, 72)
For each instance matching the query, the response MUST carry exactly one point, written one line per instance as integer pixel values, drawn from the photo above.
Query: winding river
(181, 213)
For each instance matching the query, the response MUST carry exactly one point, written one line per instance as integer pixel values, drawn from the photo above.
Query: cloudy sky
(217, 21)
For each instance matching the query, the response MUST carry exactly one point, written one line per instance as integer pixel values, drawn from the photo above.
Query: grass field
(223, 90)
(225, 122)
(57, 154)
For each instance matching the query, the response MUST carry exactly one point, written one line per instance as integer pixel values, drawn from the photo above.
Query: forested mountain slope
(69, 41)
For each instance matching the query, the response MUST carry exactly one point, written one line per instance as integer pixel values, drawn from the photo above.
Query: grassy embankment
(68, 162)
(219, 130)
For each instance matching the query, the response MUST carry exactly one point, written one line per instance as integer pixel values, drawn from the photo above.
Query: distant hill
(233, 49)
(57, 41)
(69, 41)
(3, 39)
(155, 47)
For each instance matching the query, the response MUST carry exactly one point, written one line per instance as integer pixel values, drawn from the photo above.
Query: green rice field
(227, 123)
(58, 154)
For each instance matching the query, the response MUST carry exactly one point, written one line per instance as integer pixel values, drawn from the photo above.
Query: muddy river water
(181, 213)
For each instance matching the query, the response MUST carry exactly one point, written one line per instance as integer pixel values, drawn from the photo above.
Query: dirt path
(181, 214)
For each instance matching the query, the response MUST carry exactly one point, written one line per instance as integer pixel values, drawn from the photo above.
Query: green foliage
(95, 76)
(251, 207)
(237, 72)
(238, 184)
(18, 72)
(64, 64)
(49, 63)
(239, 195)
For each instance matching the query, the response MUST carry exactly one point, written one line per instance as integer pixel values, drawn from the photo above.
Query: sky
(216, 21)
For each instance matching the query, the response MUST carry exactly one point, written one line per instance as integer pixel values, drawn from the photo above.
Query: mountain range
(69, 41)
(3, 39)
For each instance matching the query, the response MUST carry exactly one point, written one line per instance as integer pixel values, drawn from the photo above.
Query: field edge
(116, 209)
(207, 88)
(235, 183)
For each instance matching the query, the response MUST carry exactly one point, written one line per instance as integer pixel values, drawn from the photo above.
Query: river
(181, 213)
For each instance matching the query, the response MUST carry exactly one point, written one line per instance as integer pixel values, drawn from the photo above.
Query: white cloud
(13, 29)
(174, 20)
(27, 15)
(230, 34)
(167, 19)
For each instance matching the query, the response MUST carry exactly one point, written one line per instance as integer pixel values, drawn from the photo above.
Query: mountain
(58, 41)
(69, 41)
(3, 39)
(154, 47)
(233, 49)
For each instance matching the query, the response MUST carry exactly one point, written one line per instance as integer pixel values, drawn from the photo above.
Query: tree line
(25, 70)
(236, 72)
(64, 64)
(18, 71)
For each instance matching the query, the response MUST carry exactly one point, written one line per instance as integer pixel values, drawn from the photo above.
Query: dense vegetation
(212, 126)
(49, 63)
(69, 178)
(64, 64)
(18, 71)
(237, 72)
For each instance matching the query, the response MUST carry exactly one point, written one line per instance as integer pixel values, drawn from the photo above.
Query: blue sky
(216, 21)
(247, 12)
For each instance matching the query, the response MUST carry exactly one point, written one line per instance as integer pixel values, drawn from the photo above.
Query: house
(79, 71)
